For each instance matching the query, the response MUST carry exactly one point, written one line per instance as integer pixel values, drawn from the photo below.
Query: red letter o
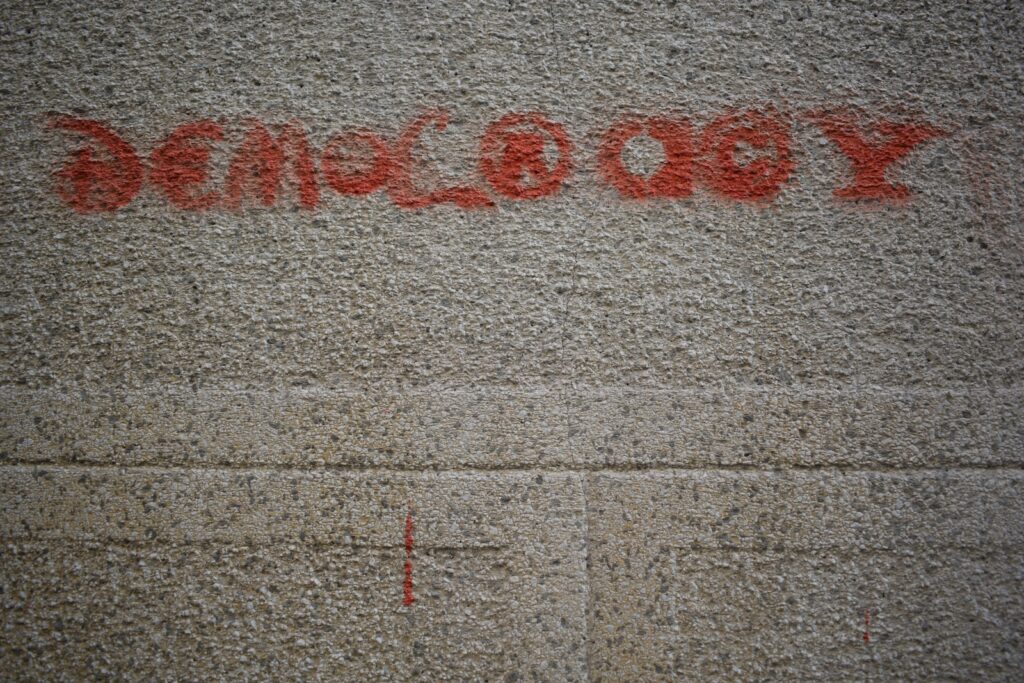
(507, 154)
(673, 179)
(359, 181)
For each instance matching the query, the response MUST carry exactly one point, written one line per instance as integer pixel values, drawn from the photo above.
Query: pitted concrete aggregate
(767, 575)
(494, 428)
(665, 440)
(169, 573)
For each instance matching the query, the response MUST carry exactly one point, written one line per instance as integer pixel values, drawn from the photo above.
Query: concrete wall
(593, 437)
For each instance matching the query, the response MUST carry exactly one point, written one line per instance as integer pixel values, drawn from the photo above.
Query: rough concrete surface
(590, 436)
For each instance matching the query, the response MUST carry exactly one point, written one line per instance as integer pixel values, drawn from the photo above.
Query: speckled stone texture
(160, 573)
(696, 439)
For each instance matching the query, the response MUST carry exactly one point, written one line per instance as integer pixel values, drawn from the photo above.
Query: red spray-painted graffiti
(365, 176)
(179, 168)
(755, 179)
(507, 152)
(739, 156)
(407, 596)
(88, 184)
(400, 185)
(871, 157)
(673, 179)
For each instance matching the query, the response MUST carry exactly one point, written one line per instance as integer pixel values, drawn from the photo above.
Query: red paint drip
(867, 625)
(407, 596)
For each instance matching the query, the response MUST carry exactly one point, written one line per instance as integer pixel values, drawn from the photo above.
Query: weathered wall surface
(728, 434)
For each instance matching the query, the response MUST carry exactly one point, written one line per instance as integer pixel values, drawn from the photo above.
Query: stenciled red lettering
(739, 156)
(179, 166)
(673, 179)
(261, 160)
(401, 188)
(92, 183)
(347, 167)
(509, 155)
(872, 154)
(745, 156)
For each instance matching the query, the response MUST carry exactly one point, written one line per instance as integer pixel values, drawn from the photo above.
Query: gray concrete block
(873, 427)
(157, 574)
(433, 427)
(756, 575)
(208, 301)
(643, 440)
(547, 426)
(804, 292)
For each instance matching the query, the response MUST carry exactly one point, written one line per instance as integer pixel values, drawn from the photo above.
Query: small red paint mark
(261, 159)
(746, 156)
(356, 163)
(675, 176)
(867, 625)
(870, 155)
(90, 184)
(179, 165)
(407, 596)
(512, 149)
(400, 186)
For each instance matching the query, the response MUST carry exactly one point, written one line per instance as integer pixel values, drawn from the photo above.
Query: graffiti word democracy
(743, 156)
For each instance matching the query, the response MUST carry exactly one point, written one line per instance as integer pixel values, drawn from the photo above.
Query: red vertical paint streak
(867, 625)
(407, 597)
